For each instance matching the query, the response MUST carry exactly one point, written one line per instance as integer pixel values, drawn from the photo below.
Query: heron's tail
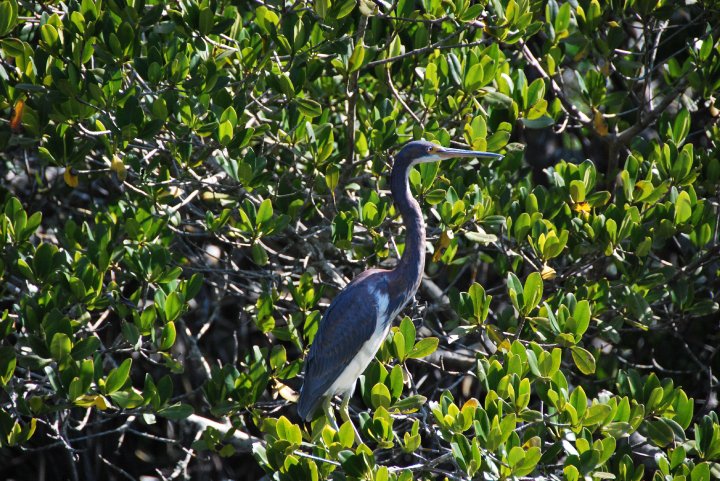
(307, 404)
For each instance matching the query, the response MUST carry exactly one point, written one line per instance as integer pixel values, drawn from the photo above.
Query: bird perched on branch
(359, 318)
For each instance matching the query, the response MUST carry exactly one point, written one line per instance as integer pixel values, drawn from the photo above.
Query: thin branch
(352, 93)
(395, 93)
(436, 46)
(569, 106)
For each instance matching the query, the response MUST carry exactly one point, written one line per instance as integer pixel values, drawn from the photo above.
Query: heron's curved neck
(412, 263)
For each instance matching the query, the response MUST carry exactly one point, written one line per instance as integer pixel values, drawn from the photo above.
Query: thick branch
(628, 134)
(242, 441)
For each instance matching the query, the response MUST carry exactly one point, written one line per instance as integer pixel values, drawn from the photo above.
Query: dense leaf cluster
(185, 186)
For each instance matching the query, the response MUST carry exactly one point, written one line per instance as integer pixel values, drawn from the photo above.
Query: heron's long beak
(449, 153)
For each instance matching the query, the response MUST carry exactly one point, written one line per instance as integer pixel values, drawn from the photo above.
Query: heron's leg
(345, 415)
(327, 408)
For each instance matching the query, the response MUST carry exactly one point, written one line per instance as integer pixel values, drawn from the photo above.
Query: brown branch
(569, 106)
(352, 92)
(396, 94)
(243, 442)
(628, 134)
(625, 137)
(436, 46)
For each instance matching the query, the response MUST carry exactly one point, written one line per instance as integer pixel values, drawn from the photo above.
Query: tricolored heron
(359, 318)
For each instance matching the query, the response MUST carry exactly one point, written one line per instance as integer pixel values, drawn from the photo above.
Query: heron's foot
(329, 417)
(358, 439)
(345, 415)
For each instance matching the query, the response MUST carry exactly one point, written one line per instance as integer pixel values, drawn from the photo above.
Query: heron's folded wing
(348, 323)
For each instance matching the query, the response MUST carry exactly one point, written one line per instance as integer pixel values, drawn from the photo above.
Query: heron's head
(419, 151)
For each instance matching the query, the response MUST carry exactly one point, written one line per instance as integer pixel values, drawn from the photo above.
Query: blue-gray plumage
(358, 319)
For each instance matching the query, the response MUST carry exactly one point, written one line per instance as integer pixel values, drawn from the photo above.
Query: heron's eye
(430, 149)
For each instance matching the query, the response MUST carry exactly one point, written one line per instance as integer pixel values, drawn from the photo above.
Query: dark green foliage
(186, 185)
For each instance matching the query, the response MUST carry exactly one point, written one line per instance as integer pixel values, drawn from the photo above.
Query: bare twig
(352, 93)
(569, 106)
(388, 78)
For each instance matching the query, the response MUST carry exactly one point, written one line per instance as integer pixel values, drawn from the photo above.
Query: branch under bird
(359, 318)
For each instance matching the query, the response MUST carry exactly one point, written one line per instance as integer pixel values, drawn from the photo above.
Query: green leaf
(581, 315)
(229, 115)
(474, 78)
(583, 359)
(683, 208)
(578, 400)
(424, 347)
(498, 140)
(596, 414)
(356, 59)
(480, 302)
(409, 404)
(515, 291)
(43, 260)
(132, 334)
(498, 99)
(15, 48)
(85, 348)
(398, 342)
(225, 132)
(481, 237)
(167, 337)
(8, 362)
(681, 127)
(435, 196)
(380, 396)
(49, 35)
(146, 319)
(396, 381)
(659, 432)
(117, 377)
(536, 91)
(472, 13)
(259, 254)
(345, 9)
(288, 431)
(8, 16)
(354, 465)
(286, 85)
(577, 191)
(683, 409)
(173, 306)
(177, 411)
(129, 399)
(193, 286)
(266, 19)
(538, 123)
(347, 435)
(60, 346)
(205, 20)
(309, 108)
(264, 213)
(532, 292)
(321, 7)
(170, 275)
(571, 473)
(701, 472)
(527, 464)
(562, 20)
(407, 328)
